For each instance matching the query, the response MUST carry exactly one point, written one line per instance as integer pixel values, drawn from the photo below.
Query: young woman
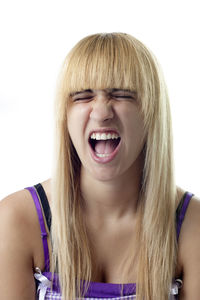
(111, 217)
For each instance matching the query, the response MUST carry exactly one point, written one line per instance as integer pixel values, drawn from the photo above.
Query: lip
(109, 158)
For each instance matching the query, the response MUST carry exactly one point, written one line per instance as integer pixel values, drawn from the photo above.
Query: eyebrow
(121, 90)
(109, 90)
(81, 92)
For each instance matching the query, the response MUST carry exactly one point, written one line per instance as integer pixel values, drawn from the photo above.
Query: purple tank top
(96, 289)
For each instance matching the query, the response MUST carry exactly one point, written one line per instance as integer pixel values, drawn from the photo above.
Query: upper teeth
(104, 136)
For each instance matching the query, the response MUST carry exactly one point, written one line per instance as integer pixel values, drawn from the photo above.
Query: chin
(103, 178)
(104, 174)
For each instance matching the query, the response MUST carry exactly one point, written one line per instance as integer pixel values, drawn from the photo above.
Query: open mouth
(104, 144)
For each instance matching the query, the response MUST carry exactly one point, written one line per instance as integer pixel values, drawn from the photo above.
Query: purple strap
(42, 226)
(183, 212)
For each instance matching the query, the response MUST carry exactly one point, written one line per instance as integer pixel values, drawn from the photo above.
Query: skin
(120, 178)
(111, 216)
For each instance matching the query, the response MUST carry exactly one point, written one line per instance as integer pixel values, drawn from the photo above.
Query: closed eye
(82, 98)
(88, 95)
(85, 95)
(123, 97)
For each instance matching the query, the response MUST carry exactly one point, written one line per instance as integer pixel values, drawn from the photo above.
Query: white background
(35, 36)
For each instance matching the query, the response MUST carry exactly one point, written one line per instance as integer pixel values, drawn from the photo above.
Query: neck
(112, 199)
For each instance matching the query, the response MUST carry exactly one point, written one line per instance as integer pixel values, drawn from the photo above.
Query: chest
(115, 256)
(111, 259)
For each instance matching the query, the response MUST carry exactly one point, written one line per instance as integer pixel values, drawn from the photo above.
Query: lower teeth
(102, 155)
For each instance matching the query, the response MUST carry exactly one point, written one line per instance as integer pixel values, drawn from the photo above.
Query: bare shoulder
(189, 251)
(17, 212)
(13, 211)
(15, 207)
(21, 248)
(19, 222)
(18, 216)
(16, 246)
(19, 207)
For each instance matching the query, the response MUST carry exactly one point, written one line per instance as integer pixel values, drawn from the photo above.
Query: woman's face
(106, 129)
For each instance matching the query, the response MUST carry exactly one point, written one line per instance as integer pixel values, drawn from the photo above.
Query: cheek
(70, 124)
(76, 121)
(135, 127)
(132, 118)
(78, 114)
(72, 127)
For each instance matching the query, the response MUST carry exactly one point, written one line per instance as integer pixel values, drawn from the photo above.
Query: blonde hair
(103, 61)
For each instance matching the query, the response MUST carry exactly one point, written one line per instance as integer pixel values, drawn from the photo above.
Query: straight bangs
(114, 60)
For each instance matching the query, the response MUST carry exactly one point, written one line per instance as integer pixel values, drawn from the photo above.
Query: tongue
(105, 147)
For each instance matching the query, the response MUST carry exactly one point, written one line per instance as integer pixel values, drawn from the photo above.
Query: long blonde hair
(103, 61)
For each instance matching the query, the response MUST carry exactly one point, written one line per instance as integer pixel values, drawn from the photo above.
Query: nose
(101, 109)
